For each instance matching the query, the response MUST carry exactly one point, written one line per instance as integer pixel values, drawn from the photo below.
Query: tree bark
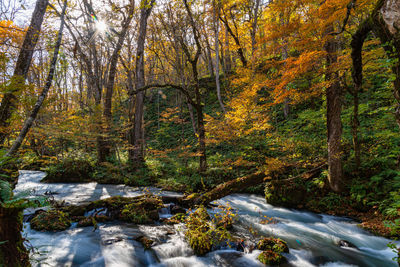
(333, 116)
(9, 101)
(28, 123)
(357, 42)
(136, 150)
(13, 252)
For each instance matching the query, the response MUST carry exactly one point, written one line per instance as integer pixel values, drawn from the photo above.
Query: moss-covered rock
(269, 257)
(198, 232)
(75, 210)
(142, 211)
(275, 244)
(52, 220)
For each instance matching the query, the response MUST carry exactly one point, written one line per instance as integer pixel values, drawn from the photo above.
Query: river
(312, 238)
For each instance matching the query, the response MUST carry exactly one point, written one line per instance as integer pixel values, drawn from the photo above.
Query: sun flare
(101, 26)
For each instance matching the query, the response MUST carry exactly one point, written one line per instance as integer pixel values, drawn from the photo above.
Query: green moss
(198, 231)
(53, 220)
(270, 257)
(131, 213)
(275, 244)
(142, 211)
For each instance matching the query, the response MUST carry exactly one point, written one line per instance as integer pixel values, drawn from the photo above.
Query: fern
(5, 191)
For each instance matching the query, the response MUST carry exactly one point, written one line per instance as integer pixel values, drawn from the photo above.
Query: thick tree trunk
(28, 123)
(334, 123)
(9, 101)
(136, 155)
(13, 252)
(356, 54)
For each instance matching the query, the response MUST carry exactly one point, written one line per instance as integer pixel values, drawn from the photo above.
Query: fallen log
(241, 183)
(224, 189)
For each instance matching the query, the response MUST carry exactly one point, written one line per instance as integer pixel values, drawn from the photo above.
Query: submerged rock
(111, 241)
(52, 220)
(346, 244)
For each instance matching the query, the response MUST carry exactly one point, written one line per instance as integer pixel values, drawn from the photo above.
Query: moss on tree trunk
(12, 251)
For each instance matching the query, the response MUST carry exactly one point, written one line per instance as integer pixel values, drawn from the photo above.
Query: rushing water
(312, 238)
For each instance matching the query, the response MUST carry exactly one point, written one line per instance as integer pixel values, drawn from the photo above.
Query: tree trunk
(356, 54)
(254, 29)
(334, 123)
(237, 41)
(192, 120)
(110, 85)
(216, 28)
(28, 123)
(227, 57)
(136, 155)
(9, 101)
(13, 252)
